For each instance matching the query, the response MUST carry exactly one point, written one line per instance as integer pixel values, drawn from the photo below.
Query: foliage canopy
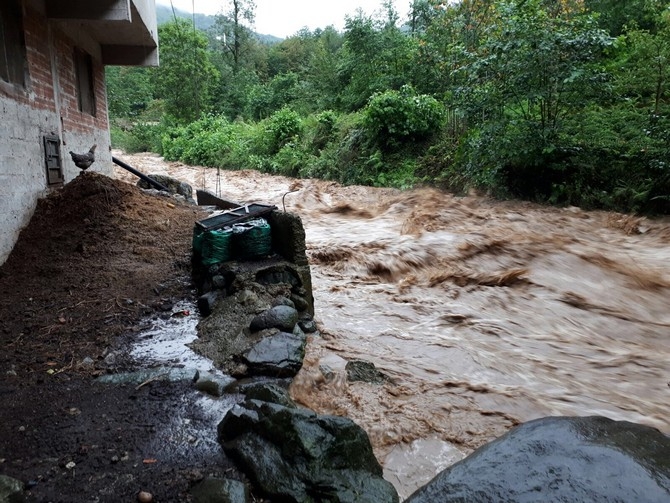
(559, 101)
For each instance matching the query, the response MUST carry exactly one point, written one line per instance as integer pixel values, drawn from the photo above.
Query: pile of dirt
(97, 255)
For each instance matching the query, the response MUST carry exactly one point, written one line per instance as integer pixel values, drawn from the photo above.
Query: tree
(420, 16)
(186, 75)
(643, 70)
(129, 90)
(531, 74)
(313, 58)
(376, 56)
(234, 29)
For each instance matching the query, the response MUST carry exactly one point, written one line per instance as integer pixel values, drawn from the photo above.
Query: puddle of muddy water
(166, 341)
(164, 345)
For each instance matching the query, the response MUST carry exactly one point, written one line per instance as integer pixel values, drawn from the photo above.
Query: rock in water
(296, 455)
(592, 459)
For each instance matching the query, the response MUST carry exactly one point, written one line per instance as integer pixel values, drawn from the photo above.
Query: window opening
(12, 44)
(83, 64)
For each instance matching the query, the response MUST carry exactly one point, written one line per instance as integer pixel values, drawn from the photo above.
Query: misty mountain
(202, 21)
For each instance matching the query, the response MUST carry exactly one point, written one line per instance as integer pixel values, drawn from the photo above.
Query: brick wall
(47, 106)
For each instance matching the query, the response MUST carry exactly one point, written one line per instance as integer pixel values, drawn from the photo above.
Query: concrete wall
(47, 105)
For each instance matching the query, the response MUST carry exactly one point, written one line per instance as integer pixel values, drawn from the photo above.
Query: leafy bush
(401, 176)
(139, 137)
(202, 142)
(393, 117)
(282, 127)
(290, 160)
(322, 129)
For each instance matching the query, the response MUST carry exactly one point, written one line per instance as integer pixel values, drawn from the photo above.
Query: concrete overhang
(125, 29)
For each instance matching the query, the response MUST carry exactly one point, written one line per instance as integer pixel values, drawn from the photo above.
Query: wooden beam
(129, 55)
(100, 10)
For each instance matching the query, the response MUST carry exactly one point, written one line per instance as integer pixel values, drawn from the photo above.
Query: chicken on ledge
(84, 161)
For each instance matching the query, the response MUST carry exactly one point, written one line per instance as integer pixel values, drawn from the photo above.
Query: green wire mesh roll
(252, 239)
(198, 237)
(216, 246)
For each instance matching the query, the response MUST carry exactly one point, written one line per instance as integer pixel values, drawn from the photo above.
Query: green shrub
(394, 117)
(204, 142)
(400, 176)
(282, 127)
(137, 137)
(290, 160)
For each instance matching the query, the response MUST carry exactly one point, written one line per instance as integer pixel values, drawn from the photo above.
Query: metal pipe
(144, 177)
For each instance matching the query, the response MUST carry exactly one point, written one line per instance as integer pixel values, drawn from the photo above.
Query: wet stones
(280, 317)
(266, 392)
(278, 355)
(255, 324)
(360, 370)
(138, 377)
(296, 455)
(561, 459)
(11, 490)
(206, 303)
(212, 384)
(215, 490)
(172, 184)
(308, 326)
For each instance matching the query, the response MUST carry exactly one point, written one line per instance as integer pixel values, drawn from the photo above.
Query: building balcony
(125, 29)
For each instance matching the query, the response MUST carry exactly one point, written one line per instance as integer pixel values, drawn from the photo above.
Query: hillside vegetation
(561, 102)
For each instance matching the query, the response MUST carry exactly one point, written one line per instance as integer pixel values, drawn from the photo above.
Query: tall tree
(234, 28)
(642, 70)
(376, 56)
(532, 73)
(420, 15)
(186, 75)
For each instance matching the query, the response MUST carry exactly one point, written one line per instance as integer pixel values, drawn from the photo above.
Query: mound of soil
(98, 256)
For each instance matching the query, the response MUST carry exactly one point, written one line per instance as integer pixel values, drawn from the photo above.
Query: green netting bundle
(252, 239)
(198, 237)
(216, 246)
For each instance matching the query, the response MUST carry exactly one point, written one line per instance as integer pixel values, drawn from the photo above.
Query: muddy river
(483, 314)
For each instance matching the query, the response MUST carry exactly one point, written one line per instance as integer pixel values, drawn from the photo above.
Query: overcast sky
(284, 18)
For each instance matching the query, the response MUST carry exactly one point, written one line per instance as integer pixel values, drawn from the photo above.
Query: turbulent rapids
(484, 314)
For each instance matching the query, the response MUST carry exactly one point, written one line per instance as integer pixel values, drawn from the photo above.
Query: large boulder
(592, 459)
(296, 455)
(278, 355)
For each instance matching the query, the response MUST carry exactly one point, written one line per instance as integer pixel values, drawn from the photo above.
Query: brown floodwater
(483, 314)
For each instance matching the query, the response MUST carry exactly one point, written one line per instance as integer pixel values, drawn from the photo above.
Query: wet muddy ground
(91, 442)
(100, 265)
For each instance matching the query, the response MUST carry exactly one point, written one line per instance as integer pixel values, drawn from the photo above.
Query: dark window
(12, 45)
(83, 64)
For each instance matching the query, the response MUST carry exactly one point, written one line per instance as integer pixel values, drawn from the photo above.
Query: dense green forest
(558, 101)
